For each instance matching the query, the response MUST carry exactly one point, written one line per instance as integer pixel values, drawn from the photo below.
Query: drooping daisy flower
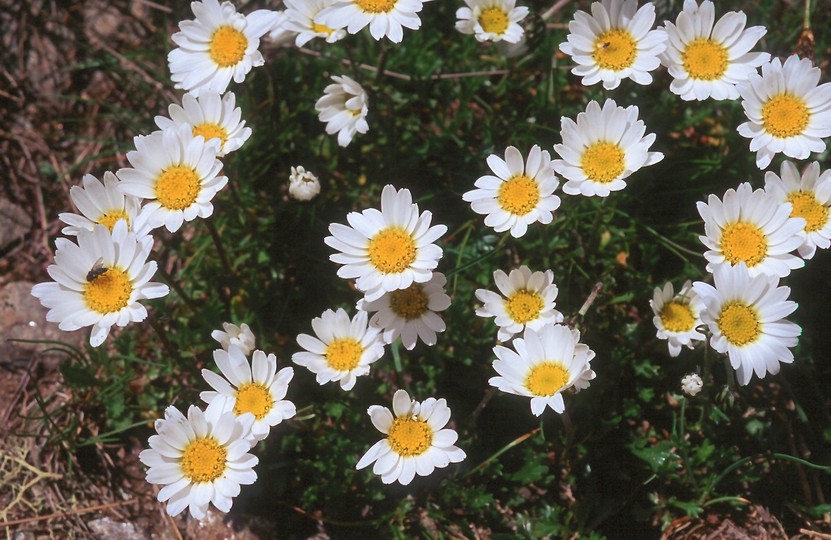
(519, 194)
(303, 184)
(238, 336)
(545, 364)
(417, 441)
(100, 281)
(384, 17)
(300, 19)
(343, 106)
(753, 228)
(786, 110)
(603, 148)
(389, 249)
(177, 172)
(211, 117)
(100, 203)
(810, 198)
(218, 46)
(200, 459)
(691, 384)
(256, 388)
(342, 350)
(677, 316)
(746, 316)
(527, 301)
(411, 313)
(491, 20)
(614, 43)
(706, 60)
(279, 33)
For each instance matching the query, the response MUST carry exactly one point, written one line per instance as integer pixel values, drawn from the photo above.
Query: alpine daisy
(343, 106)
(691, 384)
(238, 336)
(677, 316)
(300, 19)
(303, 184)
(384, 17)
(100, 203)
(491, 20)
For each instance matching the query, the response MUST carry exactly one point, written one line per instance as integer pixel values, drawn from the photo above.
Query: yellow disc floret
(546, 378)
(603, 162)
(742, 241)
(392, 250)
(227, 46)
(376, 6)
(677, 316)
(109, 291)
(493, 20)
(254, 398)
(409, 436)
(524, 306)
(344, 354)
(203, 460)
(177, 187)
(519, 195)
(739, 323)
(211, 130)
(705, 59)
(785, 116)
(807, 207)
(109, 219)
(615, 49)
(410, 303)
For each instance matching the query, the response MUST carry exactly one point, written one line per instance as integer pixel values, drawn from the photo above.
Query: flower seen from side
(602, 148)
(385, 18)
(411, 313)
(200, 459)
(810, 199)
(237, 336)
(544, 364)
(218, 46)
(706, 59)
(518, 193)
(746, 316)
(753, 228)
(492, 20)
(178, 174)
(100, 281)
(344, 106)
(342, 350)
(788, 111)
(526, 301)
(417, 441)
(303, 184)
(615, 42)
(691, 384)
(677, 316)
(388, 249)
(100, 203)
(301, 19)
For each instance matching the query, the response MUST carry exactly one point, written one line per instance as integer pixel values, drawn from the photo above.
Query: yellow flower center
(177, 187)
(321, 29)
(109, 219)
(524, 306)
(603, 161)
(493, 20)
(806, 206)
(409, 437)
(254, 398)
(376, 6)
(409, 303)
(785, 115)
(392, 250)
(739, 323)
(203, 460)
(677, 316)
(546, 378)
(615, 49)
(227, 46)
(519, 195)
(344, 354)
(705, 59)
(211, 130)
(742, 241)
(108, 291)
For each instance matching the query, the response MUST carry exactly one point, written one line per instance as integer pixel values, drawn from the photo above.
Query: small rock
(14, 223)
(109, 529)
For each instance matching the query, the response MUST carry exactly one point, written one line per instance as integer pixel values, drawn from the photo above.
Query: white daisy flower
(100, 281)
(256, 388)
(615, 43)
(786, 110)
(344, 106)
(411, 313)
(603, 148)
(211, 117)
(527, 301)
(342, 350)
(389, 249)
(417, 441)
(707, 60)
(278, 32)
(492, 20)
(691, 384)
(810, 199)
(677, 316)
(177, 172)
(200, 459)
(753, 228)
(384, 17)
(545, 364)
(238, 336)
(300, 19)
(100, 203)
(519, 194)
(303, 184)
(745, 315)
(218, 46)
